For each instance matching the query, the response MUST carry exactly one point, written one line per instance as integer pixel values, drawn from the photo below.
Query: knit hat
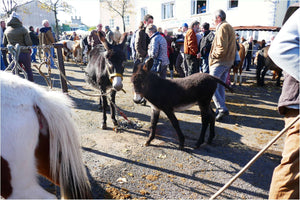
(16, 15)
(185, 25)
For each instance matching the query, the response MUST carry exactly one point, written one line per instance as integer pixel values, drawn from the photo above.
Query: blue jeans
(219, 97)
(34, 51)
(2, 62)
(51, 58)
(204, 65)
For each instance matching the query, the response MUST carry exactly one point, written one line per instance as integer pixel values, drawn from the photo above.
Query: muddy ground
(120, 166)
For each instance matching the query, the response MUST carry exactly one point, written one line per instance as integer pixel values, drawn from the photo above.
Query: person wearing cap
(109, 35)
(93, 38)
(191, 49)
(16, 33)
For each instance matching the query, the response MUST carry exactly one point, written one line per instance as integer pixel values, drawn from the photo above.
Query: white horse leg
(235, 78)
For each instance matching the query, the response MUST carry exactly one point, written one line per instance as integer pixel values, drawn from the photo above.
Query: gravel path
(120, 166)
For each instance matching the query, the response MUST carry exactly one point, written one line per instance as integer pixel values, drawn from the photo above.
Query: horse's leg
(241, 78)
(235, 78)
(175, 124)
(234, 75)
(112, 107)
(278, 78)
(208, 117)
(263, 75)
(258, 72)
(212, 120)
(154, 119)
(104, 105)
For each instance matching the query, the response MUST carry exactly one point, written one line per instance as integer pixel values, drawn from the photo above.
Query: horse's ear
(148, 64)
(103, 40)
(123, 39)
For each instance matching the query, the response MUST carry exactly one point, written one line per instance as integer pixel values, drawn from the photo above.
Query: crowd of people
(194, 49)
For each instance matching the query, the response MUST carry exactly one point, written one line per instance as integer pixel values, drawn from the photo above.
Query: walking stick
(254, 158)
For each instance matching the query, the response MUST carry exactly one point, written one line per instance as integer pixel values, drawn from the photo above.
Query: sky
(87, 9)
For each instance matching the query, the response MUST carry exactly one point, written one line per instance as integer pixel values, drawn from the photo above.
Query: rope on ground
(254, 159)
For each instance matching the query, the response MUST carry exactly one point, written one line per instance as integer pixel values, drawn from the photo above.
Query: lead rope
(254, 158)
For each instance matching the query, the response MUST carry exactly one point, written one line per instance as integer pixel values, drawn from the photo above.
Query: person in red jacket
(191, 49)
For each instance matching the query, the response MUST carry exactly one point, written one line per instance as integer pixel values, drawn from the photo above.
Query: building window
(126, 19)
(144, 11)
(167, 10)
(199, 6)
(111, 23)
(233, 3)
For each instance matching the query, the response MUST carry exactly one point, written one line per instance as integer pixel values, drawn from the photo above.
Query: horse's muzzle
(138, 99)
(117, 83)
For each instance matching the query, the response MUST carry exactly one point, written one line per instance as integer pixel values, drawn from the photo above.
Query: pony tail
(65, 152)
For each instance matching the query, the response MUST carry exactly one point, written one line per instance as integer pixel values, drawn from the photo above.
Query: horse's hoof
(115, 123)
(181, 147)
(103, 126)
(147, 143)
(197, 146)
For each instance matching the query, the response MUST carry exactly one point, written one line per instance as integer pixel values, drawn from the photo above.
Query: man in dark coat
(35, 42)
(205, 46)
(16, 33)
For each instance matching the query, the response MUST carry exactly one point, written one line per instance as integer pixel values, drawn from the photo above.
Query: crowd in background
(194, 49)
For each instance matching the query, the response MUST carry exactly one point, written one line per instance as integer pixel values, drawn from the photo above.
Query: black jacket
(205, 43)
(34, 38)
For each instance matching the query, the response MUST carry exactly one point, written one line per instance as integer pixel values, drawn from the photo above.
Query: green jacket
(15, 33)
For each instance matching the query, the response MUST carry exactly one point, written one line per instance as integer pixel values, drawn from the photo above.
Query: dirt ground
(120, 166)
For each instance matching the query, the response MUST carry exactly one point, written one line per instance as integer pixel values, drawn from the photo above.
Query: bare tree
(121, 7)
(56, 6)
(9, 6)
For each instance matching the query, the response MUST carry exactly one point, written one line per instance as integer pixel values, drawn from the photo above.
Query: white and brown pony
(71, 49)
(38, 136)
